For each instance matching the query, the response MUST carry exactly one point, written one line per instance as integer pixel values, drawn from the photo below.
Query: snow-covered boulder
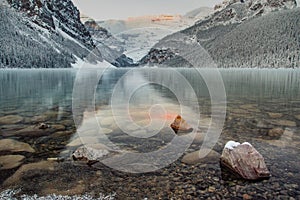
(244, 160)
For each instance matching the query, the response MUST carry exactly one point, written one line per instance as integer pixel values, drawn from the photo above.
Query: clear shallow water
(253, 96)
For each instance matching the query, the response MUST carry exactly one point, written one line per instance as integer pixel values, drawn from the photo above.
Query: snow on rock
(232, 144)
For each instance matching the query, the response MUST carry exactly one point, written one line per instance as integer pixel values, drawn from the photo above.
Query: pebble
(246, 197)
(211, 189)
(276, 132)
(275, 115)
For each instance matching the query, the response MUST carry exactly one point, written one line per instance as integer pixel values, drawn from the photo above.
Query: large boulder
(244, 160)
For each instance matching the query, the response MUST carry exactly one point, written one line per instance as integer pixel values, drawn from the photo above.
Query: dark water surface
(256, 102)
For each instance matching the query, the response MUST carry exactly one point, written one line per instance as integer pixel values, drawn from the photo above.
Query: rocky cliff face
(110, 48)
(43, 33)
(53, 14)
(247, 33)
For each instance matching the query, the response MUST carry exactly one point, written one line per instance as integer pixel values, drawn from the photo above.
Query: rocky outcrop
(244, 160)
(164, 57)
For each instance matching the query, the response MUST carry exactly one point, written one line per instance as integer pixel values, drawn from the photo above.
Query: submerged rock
(43, 126)
(11, 119)
(34, 168)
(275, 132)
(15, 146)
(244, 160)
(194, 157)
(284, 123)
(181, 126)
(35, 131)
(275, 115)
(11, 161)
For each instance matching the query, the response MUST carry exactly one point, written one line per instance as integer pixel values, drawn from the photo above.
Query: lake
(130, 111)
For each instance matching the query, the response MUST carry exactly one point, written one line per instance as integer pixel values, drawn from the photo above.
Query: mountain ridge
(37, 34)
(239, 36)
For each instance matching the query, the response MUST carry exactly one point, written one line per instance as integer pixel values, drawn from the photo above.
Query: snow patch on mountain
(81, 63)
(137, 35)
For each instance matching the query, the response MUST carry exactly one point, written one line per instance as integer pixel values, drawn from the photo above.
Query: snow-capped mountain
(50, 34)
(137, 35)
(241, 33)
(43, 34)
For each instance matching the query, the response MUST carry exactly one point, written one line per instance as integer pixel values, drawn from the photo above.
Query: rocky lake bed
(37, 160)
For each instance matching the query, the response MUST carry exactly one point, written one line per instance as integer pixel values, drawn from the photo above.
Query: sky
(122, 9)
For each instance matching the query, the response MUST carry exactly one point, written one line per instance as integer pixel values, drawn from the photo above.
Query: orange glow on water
(170, 116)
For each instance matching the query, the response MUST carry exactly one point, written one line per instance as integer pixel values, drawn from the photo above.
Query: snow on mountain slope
(137, 35)
(43, 34)
(244, 33)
